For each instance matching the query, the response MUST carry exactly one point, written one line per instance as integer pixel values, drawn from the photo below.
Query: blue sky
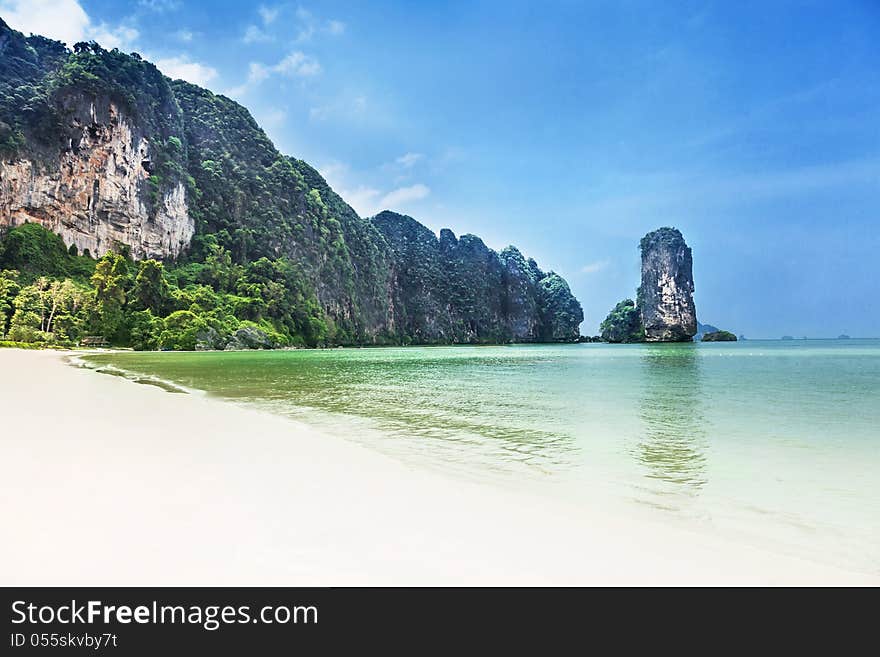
(569, 129)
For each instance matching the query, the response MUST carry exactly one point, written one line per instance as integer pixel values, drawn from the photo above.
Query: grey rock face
(666, 296)
(521, 304)
(459, 290)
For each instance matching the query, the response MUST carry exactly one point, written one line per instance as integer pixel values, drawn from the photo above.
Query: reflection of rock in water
(672, 446)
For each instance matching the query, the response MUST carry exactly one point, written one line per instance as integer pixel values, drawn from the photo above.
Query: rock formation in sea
(702, 329)
(718, 336)
(623, 324)
(102, 149)
(665, 299)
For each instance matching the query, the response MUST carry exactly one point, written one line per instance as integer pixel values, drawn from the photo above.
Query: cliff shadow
(672, 445)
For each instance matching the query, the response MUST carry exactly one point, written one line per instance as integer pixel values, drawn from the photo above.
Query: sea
(771, 443)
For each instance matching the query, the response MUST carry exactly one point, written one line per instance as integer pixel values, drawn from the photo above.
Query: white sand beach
(107, 482)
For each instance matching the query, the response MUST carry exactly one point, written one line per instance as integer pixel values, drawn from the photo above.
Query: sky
(569, 129)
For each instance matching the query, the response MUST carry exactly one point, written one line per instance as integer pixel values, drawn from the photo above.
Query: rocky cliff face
(83, 148)
(104, 150)
(450, 289)
(93, 191)
(666, 301)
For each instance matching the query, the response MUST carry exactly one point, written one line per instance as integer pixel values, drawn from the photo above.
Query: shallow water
(774, 443)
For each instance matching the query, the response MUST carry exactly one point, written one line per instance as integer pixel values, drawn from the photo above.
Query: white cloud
(593, 267)
(344, 108)
(160, 6)
(319, 113)
(122, 36)
(362, 199)
(257, 73)
(237, 92)
(295, 64)
(366, 199)
(181, 67)
(268, 14)
(299, 64)
(408, 160)
(404, 195)
(270, 119)
(309, 26)
(335, 27)
(65, 20)
(254, 34)
(274, 116)
(184, 35)
(333, 173)
(305, 33)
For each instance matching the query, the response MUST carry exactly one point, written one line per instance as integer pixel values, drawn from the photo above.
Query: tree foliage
(215, 304)
(623, 324)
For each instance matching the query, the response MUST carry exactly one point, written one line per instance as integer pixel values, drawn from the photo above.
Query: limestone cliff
(94, 190)
(666, 300)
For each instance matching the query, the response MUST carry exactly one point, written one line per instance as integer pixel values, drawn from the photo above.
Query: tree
(145, 330)
(219, 272)
(111, 281)
(67, 304)
(181, 331)
(28, 316)
(9, 289)
(151, 291)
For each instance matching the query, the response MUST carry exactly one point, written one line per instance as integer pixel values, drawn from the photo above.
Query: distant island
(702, 329)
(719, 336)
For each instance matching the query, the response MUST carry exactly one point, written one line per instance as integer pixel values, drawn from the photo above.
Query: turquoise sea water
(773, 443)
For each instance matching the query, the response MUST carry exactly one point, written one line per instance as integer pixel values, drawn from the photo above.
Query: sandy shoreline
(107, 482)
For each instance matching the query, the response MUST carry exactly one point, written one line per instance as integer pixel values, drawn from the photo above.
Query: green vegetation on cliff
(278, 258)
(623, 324)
